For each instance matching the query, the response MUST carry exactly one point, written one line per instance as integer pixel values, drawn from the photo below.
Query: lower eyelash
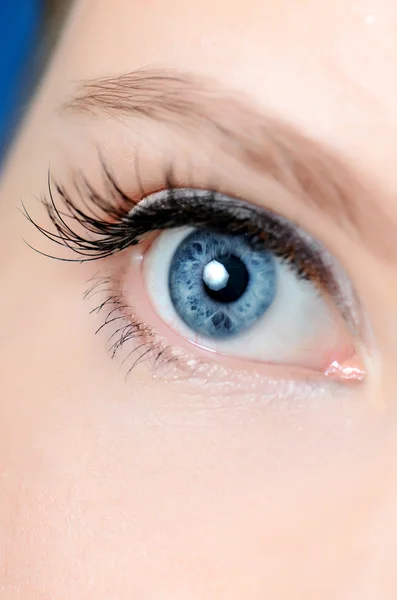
(172, 364)
(165, 361)
(126, 327)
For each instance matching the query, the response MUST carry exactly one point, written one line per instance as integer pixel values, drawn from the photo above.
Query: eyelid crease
(313, 173)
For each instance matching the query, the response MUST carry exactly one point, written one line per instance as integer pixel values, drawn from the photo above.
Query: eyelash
(106, 224)
(131, 328)
(125, 221)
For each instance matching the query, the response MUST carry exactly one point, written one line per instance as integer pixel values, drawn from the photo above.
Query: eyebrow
(305, 167)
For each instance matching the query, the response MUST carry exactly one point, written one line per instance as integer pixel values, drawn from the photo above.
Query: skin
(141, 488)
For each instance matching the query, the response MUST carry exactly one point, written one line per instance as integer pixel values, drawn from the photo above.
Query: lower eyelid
(201, 379)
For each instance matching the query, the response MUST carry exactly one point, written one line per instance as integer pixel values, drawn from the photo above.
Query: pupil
(225, 279)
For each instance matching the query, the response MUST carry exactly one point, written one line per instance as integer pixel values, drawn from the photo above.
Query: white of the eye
(215, 275)
(292, 328)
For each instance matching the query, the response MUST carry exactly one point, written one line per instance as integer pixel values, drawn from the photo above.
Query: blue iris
(219, 285)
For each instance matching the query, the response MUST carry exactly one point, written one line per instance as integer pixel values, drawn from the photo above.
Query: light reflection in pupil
(225, 279)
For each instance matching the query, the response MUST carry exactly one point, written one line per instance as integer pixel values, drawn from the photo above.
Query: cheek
(147, 501)
(132, 489)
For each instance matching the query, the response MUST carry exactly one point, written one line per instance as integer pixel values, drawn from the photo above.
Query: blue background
(19, 33)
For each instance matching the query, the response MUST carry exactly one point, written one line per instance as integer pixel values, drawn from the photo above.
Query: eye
(211, 274)
(278, 299)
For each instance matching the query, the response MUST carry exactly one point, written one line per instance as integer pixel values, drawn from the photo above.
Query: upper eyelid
(311, 172)
(123, 221)
(253, 219)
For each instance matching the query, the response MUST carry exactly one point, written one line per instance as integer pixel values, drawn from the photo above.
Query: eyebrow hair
(306, 168)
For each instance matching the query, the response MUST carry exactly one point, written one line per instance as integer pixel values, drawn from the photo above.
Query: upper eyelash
(107, 228)
(106, 224)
